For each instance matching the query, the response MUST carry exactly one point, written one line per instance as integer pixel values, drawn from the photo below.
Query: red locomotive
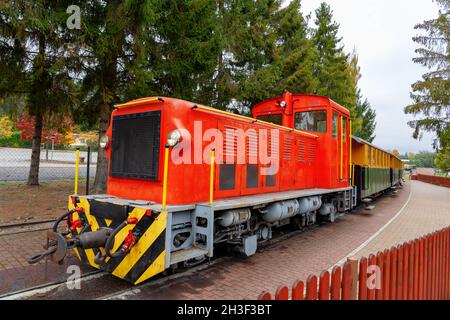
(185, 177)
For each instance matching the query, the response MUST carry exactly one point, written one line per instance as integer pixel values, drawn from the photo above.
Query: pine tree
(368, 115)
(364, 117)
(431, 94)
(245, 64)
(32, 66)
(186, 49)
(295, 51)
(332, 69)
(112, 51)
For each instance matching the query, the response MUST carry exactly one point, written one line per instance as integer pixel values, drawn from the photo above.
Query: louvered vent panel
(252, 144)
(230, 143)
(312, 152)
(287, 148)
(301, 156)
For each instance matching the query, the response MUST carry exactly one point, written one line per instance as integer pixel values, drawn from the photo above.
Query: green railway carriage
(374, 170)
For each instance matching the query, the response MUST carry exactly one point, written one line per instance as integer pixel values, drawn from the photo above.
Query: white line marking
(45, 289)
(365, 243)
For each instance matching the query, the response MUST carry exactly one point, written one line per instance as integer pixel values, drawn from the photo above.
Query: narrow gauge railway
(59, 290)
(29, 226)
(162, 209)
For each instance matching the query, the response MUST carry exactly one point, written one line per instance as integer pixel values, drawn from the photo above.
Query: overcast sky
(381, 32)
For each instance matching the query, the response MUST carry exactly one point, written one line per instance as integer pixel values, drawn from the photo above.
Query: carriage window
(272, 118)
(335, 125)
(311, 121)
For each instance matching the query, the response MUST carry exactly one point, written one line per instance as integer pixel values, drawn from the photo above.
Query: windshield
(311, 121)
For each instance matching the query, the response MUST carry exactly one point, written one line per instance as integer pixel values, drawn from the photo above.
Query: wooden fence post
(298, 290)
(336, 283)
(353, 261)
(282, 293)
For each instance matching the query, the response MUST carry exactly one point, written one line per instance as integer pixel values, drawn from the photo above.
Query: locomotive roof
(140, 101)
(329, 101)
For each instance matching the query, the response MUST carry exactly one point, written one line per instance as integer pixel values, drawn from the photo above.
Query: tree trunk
(101, 174)
(33, 177)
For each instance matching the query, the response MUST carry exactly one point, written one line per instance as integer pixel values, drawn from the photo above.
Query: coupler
(57, 243)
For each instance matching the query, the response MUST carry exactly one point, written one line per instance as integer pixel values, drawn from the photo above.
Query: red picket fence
(415, 270)
(440, 181)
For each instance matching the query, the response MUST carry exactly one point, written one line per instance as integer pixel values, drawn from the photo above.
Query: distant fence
(54, 164)
(415, 270)
(440, 181)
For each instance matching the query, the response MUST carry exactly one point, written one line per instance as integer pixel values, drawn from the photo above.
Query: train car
(184, 178)
(374, 169)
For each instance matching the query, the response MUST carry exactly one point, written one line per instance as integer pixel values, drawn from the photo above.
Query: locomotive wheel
(297, 223)
(332, 217)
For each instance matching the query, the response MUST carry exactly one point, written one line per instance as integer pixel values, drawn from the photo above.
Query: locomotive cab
(320, 116)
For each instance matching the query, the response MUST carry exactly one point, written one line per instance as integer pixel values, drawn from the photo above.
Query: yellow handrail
(77, 165)
(342, 147)
(166, 169)
(350, 150)
(211, 177)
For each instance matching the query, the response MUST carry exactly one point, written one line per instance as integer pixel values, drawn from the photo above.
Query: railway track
(44, 288)
(29, 226)
(100, 279)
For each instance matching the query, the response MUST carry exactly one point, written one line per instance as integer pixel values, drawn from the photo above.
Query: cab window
(344, 128)
(334, 125)
(311, 121)
(272, 118)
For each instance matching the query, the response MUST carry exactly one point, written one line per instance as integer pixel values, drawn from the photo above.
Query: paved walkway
(428, 210)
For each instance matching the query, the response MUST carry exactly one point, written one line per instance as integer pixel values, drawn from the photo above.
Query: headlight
(104, 142)
(173, 138)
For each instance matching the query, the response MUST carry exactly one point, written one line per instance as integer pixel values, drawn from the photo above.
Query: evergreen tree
(431, 94)
(187, 45)
(113, 53)
(332, 69)
(365, 116)
(368, 115)
(32, 64)
(295, 51)
(244, 65)
(266, 51)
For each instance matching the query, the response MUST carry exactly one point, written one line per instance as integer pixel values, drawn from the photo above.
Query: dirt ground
(19, 202)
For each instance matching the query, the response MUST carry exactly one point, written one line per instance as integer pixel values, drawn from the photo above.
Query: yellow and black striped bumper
(147, 256)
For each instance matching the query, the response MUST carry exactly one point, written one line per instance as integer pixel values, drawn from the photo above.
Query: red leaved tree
(58, 129)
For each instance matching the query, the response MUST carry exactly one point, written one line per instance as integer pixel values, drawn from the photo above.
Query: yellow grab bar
(166, 169)
(77, 165)
(211, 178)
(342, 148)
(350, 150)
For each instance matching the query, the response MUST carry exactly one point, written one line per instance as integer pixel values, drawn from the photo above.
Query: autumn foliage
(26, 126)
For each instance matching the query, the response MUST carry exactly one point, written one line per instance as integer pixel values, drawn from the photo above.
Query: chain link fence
(54, 164)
